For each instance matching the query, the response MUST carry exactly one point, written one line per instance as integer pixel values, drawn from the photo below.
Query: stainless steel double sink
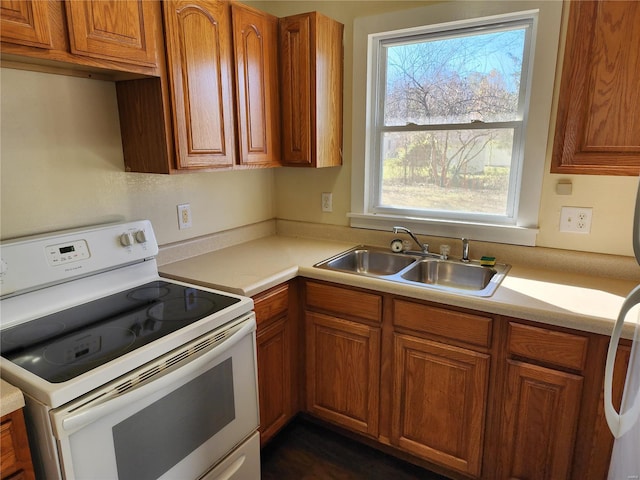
(430, 272)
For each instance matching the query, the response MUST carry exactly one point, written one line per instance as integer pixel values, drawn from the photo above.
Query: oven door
(176, 417)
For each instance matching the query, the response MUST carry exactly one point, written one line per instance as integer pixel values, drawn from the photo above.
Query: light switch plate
(327, 202)
(184, 216)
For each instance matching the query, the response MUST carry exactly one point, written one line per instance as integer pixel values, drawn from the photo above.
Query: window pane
(461, 79)
(453, 170)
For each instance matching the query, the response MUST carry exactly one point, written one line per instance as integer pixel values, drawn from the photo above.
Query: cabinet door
(539, 421)
(276, 315)
(15, 461)
(199, 52)
(439, 402)
(274, 377)
(116, 30)
(598, 124)
(255, 42)
(343, 372)
(311, 62)
(26, 22)
(296, 84)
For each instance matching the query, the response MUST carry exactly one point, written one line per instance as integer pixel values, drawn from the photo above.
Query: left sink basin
(368, 261)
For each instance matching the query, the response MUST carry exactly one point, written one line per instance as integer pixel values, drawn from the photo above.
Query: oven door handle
(101, 407)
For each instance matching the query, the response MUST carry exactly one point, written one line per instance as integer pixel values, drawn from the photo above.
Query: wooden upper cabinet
(598, 122)
(112, 37)
(113, 30)
(200, 66)
(255, 36)
(311, 58)
(26, 22)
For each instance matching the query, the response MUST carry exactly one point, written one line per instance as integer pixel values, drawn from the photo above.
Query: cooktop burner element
(63, 345)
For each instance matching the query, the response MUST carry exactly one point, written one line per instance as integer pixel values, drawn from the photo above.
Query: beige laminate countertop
(11, 398)
(558, 298)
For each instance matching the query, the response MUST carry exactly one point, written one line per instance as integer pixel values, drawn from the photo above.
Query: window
(446, 137)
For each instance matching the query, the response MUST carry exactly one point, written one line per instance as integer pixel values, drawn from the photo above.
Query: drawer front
(463, 327)
(548, 346)
(271, 304)
(344, 302)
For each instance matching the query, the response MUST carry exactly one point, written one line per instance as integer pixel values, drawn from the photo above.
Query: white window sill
(442, 228)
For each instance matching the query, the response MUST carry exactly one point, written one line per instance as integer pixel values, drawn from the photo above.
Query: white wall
(62, 166)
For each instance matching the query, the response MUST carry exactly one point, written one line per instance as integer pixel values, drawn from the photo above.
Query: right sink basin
(452, 274)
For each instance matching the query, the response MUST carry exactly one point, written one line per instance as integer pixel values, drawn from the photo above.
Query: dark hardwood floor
(305, 451)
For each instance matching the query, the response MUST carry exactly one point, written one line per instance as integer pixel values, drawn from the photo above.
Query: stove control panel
(67, 252)
(33, 262)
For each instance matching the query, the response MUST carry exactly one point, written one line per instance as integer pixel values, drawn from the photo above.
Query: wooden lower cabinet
(14, 448)
(540, 419)
(465, 393)
(343, 372)
(276, 314)
(439, 402)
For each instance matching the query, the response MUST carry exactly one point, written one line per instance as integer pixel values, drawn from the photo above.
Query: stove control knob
(141, 237)
(126, 239)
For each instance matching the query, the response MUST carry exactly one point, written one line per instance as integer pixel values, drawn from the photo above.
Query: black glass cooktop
(63, 345)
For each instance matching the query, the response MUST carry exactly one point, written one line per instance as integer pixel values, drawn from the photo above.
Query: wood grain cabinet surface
(311, 57)
(550, 420)
(276, 315)
(255, 37)
(221, 100)
(113, 31)
(440, 385)
(110, 36)
(200, 60)
(343, 372)
(439, 402)
(539, 422)
(15, 457)
(343, 340)
(468, 394)
(598, 120)
(27, 22)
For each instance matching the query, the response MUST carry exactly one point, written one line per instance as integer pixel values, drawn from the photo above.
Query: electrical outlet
(184, 216)
(327, 202)
(575, 219)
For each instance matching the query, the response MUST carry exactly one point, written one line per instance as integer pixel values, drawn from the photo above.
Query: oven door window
(177, 425)
(159, 436)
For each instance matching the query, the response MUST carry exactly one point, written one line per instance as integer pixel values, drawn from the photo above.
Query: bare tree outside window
(451, 112)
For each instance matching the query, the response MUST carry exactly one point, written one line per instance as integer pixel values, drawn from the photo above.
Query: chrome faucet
(424, 247)
(465, 250)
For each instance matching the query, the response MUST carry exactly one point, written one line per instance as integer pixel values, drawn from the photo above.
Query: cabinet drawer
(464, 327)
(344, 302)
(271, 303)
(556, 348)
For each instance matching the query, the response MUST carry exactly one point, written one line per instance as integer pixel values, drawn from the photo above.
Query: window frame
(522, 227)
